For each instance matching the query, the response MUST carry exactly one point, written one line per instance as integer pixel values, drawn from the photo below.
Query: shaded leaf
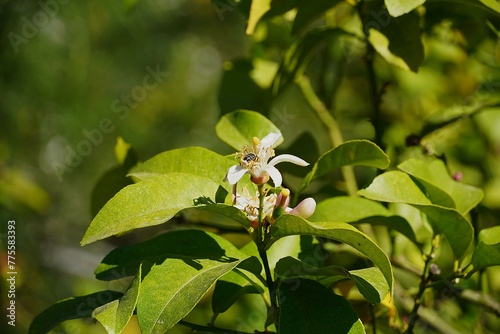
(287, 225)
(229, 288)
(193, 244)
(309, 10)
(115, 316)
(329, 312)
(173, 288)
(350, 153)
(147, 203)
(238, 128)
(71, 308)
(221, 214)
(363, 211)
(487, 251)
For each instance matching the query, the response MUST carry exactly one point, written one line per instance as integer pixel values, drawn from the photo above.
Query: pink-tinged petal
(275, 175)
(288, 158)
(270, 139)
(304, 209)
(235, 173)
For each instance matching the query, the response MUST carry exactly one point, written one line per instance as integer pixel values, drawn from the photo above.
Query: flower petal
(270, 139)
(288, 158)
(235, 173)
(275, 175)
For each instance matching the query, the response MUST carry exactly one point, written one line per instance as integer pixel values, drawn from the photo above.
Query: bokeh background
(72, 70)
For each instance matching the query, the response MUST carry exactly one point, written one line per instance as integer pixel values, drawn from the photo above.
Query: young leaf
(71, 308)
(192, 244)
(115, 316)
(173, 288)
(306, 306)
(399, 7)
(293, 225)
(350, 153)
(239, 127)
(440, 187)
(360, 210)
(147, 203)
(257, 10)
(398, 187)
(487, 251)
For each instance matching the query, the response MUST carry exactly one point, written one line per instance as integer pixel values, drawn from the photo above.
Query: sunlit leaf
(487, 251)
(306, 306)
(398, 187)
(440, 187)
(239, 127)
(173, 288)
(192, 244)
(399, 7)
(71, 308)
(360, 210)
(350, 153)
(147, 203)
(257, 10)
(288, 225)
(115, 316)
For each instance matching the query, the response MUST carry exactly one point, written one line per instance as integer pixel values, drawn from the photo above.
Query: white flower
(250, 205)
(254, 160)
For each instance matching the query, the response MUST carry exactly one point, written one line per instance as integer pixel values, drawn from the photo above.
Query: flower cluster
(255, 160)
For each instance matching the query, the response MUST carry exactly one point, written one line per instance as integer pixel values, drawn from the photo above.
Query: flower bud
(304, 209)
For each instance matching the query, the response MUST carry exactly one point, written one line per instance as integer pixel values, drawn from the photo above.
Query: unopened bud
(304, 209)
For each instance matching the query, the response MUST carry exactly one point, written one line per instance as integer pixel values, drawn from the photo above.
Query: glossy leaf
(192, 244)
(239, 127)
(147, 203)
(399, 7)
(398, 187)
(115, 316)
(220, 214)
(370, 281)
(487, 251)
(360, 210)
(164, 302)
(306, 306)
(494, 5)
(287, 225)
(350, 153)
(71, 308)
(440, 187)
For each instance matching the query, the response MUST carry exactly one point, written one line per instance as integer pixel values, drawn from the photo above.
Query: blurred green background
(82, 73)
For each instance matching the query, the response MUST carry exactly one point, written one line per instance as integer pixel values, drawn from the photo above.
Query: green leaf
(115, 316)
(173, 288)
(257, 10)
(398, 187)
(238, 128)
(71, 308)
(287, 225)
(192, 244)
(493, 4)
(350, 153)
(487, 251)
(363, 211)
(147, 203)
(114, 179)
(308, 11)
(370, 281)
(440, 187)
(399, 7)
(213, 212)
(398, 39)
(190, 160)
(229, 288)
(305, 306)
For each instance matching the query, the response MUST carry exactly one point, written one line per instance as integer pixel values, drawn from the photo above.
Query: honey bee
(250, 157)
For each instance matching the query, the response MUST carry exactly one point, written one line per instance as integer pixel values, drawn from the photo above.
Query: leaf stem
(424, 283)
(209, 329)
